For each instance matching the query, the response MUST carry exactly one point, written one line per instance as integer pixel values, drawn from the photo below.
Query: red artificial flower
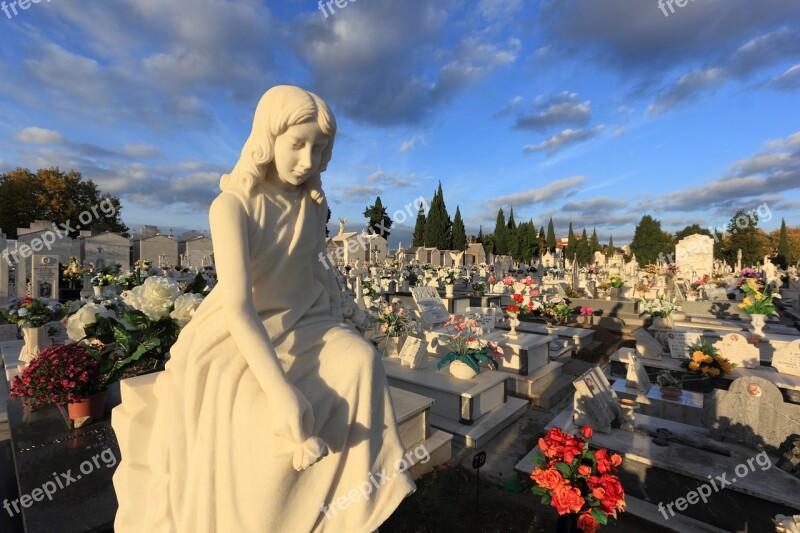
(586, 432)
(549, 479)
(567, 499)
(603, 464)
(584, 470)
(587, 523)
(518, 297)
(616, 460)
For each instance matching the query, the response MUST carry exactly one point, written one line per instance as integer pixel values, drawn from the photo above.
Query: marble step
(525, 386)
(437, 447)
(546, 396)
(462, 401)
(10, 351)
(485, 428)
(412, 412)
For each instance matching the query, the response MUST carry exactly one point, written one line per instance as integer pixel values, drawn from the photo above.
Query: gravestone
(414, 353)
(637, 377)
(595, 403)
(695, 255)
(680, 341)
(431, 307)
(787, 359)
(648, 346)
(22, 275)
(734, 346)
(44, 278)
(4, 281)
(752, 411)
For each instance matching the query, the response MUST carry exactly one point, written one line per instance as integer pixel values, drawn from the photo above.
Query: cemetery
(548, 280)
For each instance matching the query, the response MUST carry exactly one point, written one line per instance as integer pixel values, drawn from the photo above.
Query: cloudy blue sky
(594, 111)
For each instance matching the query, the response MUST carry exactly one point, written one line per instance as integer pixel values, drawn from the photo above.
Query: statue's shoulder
(232, 200)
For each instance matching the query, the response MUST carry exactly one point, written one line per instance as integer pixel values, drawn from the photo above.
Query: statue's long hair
(280, 108)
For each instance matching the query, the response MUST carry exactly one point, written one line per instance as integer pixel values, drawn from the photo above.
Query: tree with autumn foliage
(55, 195)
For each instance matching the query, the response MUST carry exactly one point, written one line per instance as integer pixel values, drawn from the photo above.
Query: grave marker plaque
(44, 279)
(680, 341)
(595, 403)
(637, 377)
(431, 307)
(787, 359)
(735, 347)
(647, 345)
(414, 352)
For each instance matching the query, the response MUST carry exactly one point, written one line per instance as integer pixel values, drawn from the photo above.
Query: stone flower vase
(758, 322)
(98, 290)
(479, 294)
(393, 346)
(36, 340)
(462, 370)
(367, 302)
(669, 392)
(448, 290)
(92, 406)
(614, 293)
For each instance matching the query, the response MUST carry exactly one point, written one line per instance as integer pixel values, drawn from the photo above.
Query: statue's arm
(229, 223)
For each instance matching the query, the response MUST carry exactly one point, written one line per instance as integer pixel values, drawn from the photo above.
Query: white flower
(85, 317)
(185, 307)
(23, 311)
(154, 298)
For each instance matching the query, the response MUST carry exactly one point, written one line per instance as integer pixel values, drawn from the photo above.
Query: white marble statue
(269, 407)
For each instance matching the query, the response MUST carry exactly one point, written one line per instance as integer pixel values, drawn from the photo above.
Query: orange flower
(586, 432)
(727, 369)
(698, 356)
(704, 370)
(549, 479)
(584, 470)
(616, 460)
(693, 366)
(587, 523)
(567, 499)
(713, 371)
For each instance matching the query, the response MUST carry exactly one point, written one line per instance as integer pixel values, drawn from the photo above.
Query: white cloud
(565, 138)
(34, 135)
(554, 111)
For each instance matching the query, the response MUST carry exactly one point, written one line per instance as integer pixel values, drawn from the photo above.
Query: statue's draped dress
(198, 444)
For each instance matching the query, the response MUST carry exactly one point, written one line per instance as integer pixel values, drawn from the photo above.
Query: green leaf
(122, 336)
(564, 469)
(447, 359)
(470, 361)
(137, 319)
(547, 498)
(540, 460)
(538, 491)
(600, 516)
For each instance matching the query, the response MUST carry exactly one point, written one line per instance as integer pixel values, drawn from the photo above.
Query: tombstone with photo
(595, 403)
(44, 279)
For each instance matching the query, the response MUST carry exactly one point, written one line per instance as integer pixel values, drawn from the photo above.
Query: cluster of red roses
(574, 479)
(58, 375)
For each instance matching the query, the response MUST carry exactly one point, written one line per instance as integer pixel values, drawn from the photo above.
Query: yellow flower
(707, 359)
(693, 366)
(713, 371)
(698, 356)
(727, 369)
(758, 296)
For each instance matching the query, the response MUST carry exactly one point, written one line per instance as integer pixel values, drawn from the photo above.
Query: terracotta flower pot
(671, 393)
(93, 406)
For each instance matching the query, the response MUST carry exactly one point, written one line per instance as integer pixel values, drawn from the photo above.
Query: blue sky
(595, 112)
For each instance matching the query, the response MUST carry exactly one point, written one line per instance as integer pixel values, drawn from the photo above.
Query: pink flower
(509, 280)
(384, 327)
(491, 279)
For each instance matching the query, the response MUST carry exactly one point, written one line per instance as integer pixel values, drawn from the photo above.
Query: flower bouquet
(615, 282)
(393, 318)
(706, 366)
(578, 481)
(587, 313)
(465, 346)
(74, 272)
(451, 278)
(556, 310)
(33, 312)
(367, 289)
(758, 301)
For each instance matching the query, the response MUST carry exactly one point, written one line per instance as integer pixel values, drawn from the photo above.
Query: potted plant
(670, 385)
(32, 316)
(660, 309)
(479, 289)
(758, 303)
(577, 481)
(706, 366)
(614, 284)
(466, 349)
(73, 273)
(395, 324)
(587, 313)
(64, 375)
(368, 292)
(450, 280)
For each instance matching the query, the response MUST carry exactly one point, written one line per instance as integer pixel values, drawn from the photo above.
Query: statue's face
(298, 152)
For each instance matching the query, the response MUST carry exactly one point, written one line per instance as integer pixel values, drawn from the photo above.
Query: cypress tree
(459, 233)
(572, 242)
(480, 235)
(437, 226)
(594, 245)
(500, 234)
(583, 249)
(379, 222)
(512, 236)
(784, 258)
(610, 251)
(551, 236)
(649, 242)
(419, 228)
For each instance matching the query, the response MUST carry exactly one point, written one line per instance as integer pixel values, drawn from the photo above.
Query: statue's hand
(295, 424)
